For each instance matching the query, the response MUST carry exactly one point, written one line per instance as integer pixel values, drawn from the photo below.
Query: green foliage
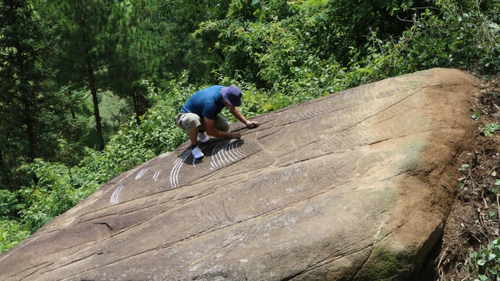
(475, 115)
(8, 204)
(165, 38)
(11, 233)
(489, 129)
(464, 167)
(114, 111)
(52, 194)
(464, 36)
(485, 264)
(270, 46)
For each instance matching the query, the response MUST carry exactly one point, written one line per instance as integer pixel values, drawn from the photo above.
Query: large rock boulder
(353, 186)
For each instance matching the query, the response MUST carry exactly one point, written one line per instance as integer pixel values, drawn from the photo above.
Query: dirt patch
(474, 218)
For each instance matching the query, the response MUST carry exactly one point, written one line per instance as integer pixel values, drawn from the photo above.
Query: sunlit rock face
(353, 186)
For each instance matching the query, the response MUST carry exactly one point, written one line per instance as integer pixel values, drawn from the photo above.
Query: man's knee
(224, 127)
(188, 121)
(221, 124)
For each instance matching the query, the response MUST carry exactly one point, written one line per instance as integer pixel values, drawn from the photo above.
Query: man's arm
(237, 113)
(211, 130)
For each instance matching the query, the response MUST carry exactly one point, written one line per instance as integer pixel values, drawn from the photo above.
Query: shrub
(11, 233)
(486, 263)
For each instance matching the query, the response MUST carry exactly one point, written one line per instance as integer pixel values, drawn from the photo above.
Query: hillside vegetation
(89, 89)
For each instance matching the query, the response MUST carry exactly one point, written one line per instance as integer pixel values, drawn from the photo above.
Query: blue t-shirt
(205, 103)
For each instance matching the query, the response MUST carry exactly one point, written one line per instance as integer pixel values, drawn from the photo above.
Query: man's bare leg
(193, 136)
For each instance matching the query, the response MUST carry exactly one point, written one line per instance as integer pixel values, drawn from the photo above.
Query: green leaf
(464, 167)
(475, 115)
(493, 270)
(492, 214)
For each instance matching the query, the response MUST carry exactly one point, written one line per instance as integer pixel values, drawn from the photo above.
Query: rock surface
(353, 186)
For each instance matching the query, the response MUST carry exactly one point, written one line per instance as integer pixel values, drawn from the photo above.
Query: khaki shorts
(189, 121)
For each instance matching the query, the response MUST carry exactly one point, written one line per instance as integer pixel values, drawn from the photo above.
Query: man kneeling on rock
(200, 115)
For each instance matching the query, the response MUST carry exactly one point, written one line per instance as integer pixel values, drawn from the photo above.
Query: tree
(89, 36)
(172, 24)
(132, 59)
(30, 109)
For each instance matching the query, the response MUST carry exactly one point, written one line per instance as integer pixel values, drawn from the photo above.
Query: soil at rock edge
(473, 221)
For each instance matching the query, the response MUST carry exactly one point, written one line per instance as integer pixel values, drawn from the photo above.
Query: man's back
(205, 103)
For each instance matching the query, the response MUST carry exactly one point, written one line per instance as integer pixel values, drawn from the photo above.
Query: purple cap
(232, 95)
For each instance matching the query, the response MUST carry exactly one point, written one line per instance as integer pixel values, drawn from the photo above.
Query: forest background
(89, 89)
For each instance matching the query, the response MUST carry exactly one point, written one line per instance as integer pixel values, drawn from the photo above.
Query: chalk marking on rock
(179, 165)
(128, 174)
(250, 148)
(220, 154)
(156, 175)
(141, 173)
(114, 196)
(193, 162)
(225, 153)
(376, 235)
(215, 152)
(174, 173)
(235, 148)
(232, 148)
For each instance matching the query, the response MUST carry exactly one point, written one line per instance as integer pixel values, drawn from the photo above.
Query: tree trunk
(93, 91)
(24, 92)
(136, 107)
(30, 130)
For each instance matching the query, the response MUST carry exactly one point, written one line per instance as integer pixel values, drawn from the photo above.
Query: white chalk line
(215, 156)
(141, 173)
(156, 175)
(114, 196)
(222, 154)
(229, 152)
(236, 149)
(218, 162)
(231, 148)
(218, 157)
(174, 173)
(225, 153)
(376, 235)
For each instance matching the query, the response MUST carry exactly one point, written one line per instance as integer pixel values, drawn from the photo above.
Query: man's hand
(252, 124)
(209, 127)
